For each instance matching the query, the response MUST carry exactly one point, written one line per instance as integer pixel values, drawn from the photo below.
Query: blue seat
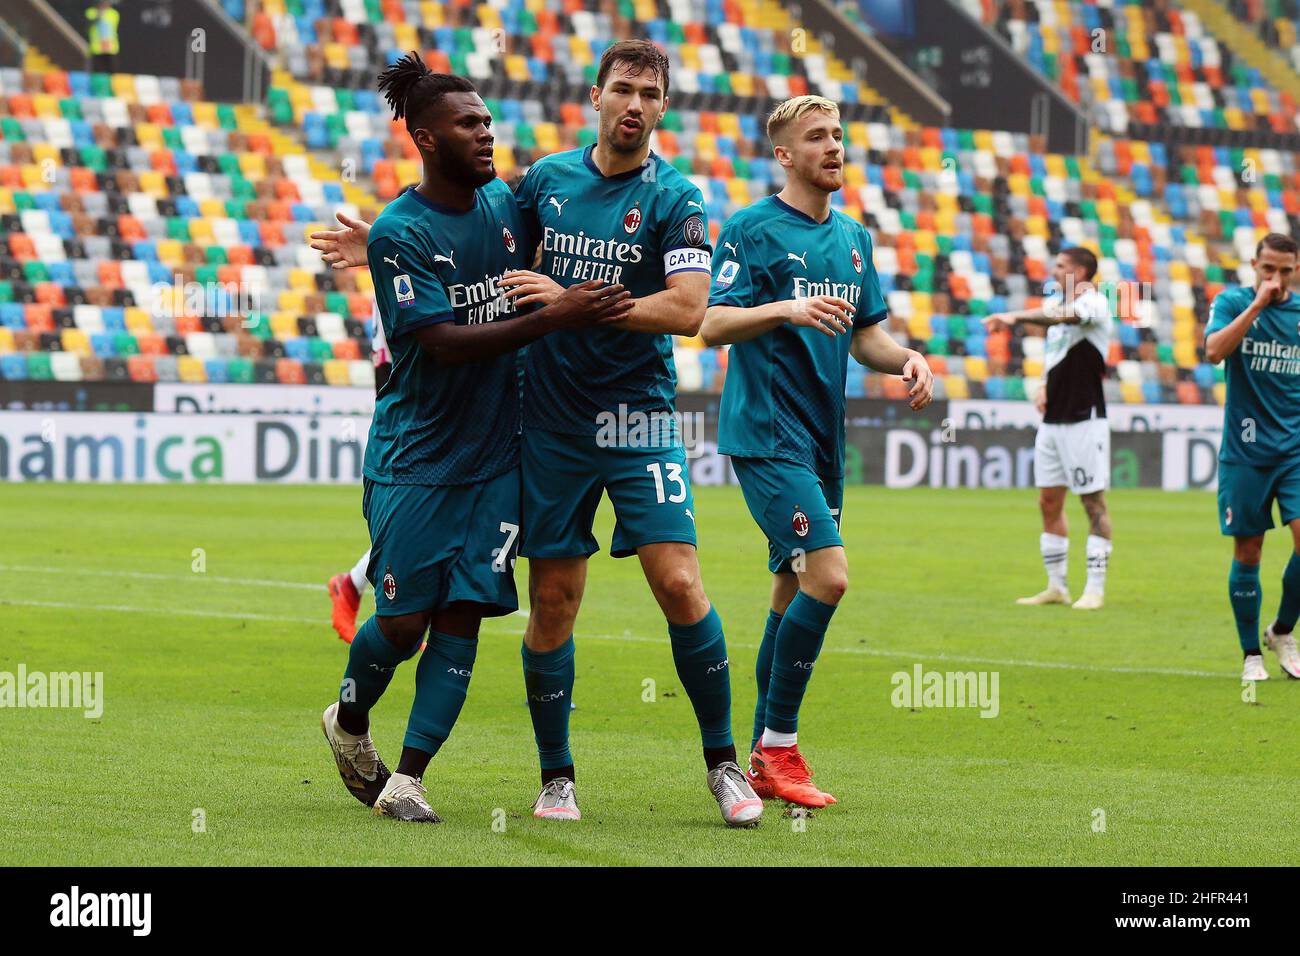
(298, 348)
(11, 316)
(216, 369)
(1151, 393)
(102, 344)
(13, 366)
(114, 316)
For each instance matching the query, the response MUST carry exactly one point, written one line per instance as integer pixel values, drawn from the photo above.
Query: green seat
(1072, 167)
(242, 188)
(463, 38)
(337, 128)
(226, 117)
(343, 97)
(93, 158)
(525, 137)
(258, 325)
(742, 168)
(966, 139)
(178, 228)
(923, 282)
(908, 220)
(12, 130)
(38, 366)
(101, 85)
(336, 302)
(216, 256)
(938, 345)
(70, 109)
(945, 245)
(6, 290)
(35, 271)
(294, 7)
(722, 83)
(237, 208)
(228, 163)
(586, 136)
(1165, 353)
(240, 371)
(1214, 273)
(24, 202)
(672, 122)
(912, 179)
(983, 203)
(277, 100)
(206, 275)
(780, 61)
(374, 12)
(172, 138)
(527, 23)
(124, 344)
(320, 350)
(1016, 387)
(682, 164)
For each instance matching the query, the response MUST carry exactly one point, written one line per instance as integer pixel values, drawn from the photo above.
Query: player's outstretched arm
(579, 306)
(1223, 342)
(678, 310)
(998, 320)
(343, 248)
(726, 324)
(874, 348)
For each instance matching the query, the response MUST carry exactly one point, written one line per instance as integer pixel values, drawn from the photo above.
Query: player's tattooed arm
(678, 310)
(579, 306)
(725, 324)
(1223, 342)
(874, 348)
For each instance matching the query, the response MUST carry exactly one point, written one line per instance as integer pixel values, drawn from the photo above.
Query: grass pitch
(214, 682)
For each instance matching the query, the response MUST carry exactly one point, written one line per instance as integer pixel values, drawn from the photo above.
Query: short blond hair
(796, 108)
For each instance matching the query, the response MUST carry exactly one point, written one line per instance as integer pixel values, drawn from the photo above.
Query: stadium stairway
(1247, 45)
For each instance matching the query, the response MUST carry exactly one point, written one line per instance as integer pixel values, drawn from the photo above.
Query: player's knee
(678, 586)
(1248, 550)
(1050, 503)
(830, 585)
(555, 599)
(406, 632)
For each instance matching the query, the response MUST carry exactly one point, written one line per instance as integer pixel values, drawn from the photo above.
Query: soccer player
(345, 589)
(1072, 448)
(441, 490)
(1256, 333)
(795, 293)
(617, 211)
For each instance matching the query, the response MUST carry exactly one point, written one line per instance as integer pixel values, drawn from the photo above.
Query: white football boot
(557, 801)
(403, 799)
(1050, 595)
(1283, 645)
(363, 773)
(740, 806)
(1090, 601)
(1252, 669)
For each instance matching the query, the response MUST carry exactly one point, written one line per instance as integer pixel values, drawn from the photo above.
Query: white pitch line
(636, 639)
(151, 576)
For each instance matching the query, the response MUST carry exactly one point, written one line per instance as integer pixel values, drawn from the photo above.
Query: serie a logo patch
(727, 274)
(404, 290)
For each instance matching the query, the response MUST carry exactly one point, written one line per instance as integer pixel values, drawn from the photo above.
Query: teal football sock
(1289, 607)
(441, 683)
(700, 653)
(763, 673)
(1244, 593)
(372, 660)
(548, 678)
(798, 642)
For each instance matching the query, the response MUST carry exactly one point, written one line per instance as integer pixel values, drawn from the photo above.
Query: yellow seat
(153, 183)
(190, 369)
(291, 302)
(977, 368)
(284, 325)
(211, 208)
(1032, 367)
(123, 85)
(201, 231)
(548, 137)
(205, 114)
(75, 340)
(137, 320)
(46, 106)
(252, 165)
(300, 280)
(336, 372)
(148, 135)
(1131, 392)
(170, 252)
(956, 386)
(43, 152)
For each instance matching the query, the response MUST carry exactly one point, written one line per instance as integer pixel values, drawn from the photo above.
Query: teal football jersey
(436, 425)
(1261, 416)
(636, 228)
(783, 396)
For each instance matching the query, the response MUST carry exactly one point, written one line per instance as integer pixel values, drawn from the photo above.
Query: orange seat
(56, 82)
(290, 372)
(83, 180)
(185, 324)
(39, 317)
(151, 343)
(141, 368)
(22, 246)
(51, 294)
(347, 350)
(110, 272)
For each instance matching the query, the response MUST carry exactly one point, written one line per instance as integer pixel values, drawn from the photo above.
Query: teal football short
(1247, 492)
(564, 476)
(797, 509)
(432, 545)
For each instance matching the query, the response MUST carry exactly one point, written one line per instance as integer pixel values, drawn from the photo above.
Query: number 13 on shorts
(672, 471)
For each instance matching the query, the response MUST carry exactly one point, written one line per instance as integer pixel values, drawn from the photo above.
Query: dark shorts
(797, 509)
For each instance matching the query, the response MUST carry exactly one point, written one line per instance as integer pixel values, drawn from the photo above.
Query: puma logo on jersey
(692, 202)
(732, 248)
(559, 205)
(437, 258)
(393, 260)
(798, 259)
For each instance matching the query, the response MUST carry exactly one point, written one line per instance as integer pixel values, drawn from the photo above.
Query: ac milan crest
(632, 220)
(857, 260)
(390, 586)
(800, 523)
(510, 240)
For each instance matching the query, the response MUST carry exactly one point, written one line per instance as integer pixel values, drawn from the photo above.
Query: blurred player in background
(1072, 449)
(441, 492)
(795, 293)
(345, 589)
(1256, 333)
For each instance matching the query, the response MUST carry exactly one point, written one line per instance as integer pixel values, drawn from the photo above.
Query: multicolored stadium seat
(109, 185)
(1276, 22)
(1130, 61)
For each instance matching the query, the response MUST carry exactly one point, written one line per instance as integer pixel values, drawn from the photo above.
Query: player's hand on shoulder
(590, 303)
(918, 374)
(527, 287)
(343, 248)
(826, 313)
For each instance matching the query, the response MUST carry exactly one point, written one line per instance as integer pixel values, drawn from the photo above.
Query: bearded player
(441, 491)
(795, 293)
(1256, 333)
